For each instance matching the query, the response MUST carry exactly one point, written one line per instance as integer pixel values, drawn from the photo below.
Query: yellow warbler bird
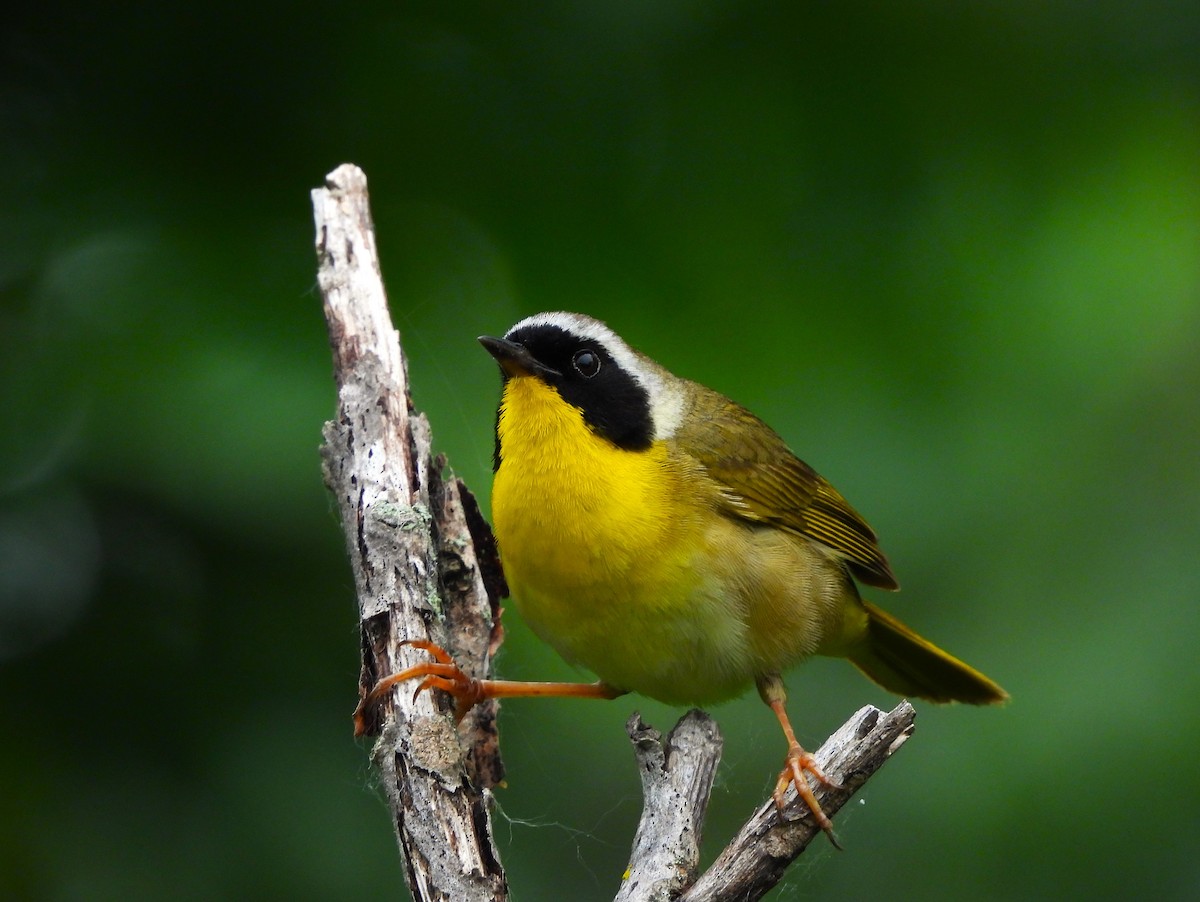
(665, 538)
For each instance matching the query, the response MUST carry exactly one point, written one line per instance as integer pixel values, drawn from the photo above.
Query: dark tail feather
(900, 661)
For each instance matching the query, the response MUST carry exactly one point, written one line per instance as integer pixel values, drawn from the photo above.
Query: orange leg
(798, 761)
(442, 673)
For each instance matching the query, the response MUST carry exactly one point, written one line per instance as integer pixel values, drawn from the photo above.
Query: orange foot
(441, 673)
(798, 762)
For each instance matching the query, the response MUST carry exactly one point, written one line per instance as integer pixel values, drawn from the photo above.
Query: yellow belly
(619, 560)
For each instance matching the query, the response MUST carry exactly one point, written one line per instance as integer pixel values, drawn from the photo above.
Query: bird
(662, 536)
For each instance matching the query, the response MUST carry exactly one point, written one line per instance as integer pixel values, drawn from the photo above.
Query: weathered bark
(416, 565)
(762, 850)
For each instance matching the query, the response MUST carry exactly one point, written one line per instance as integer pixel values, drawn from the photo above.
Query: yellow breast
(600, 546)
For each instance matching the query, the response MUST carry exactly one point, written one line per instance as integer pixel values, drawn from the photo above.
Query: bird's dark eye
(586, 363)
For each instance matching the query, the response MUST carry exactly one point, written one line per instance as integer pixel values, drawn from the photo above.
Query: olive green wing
(764, 482)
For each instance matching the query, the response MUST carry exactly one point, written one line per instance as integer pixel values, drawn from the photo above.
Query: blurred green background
(950, 251)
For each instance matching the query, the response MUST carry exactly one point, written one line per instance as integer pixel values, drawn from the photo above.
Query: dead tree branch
(762, 850)
(677, 778)
(417, 566)
(425, 568)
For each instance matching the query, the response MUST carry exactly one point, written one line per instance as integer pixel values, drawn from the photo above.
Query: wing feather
(762, 481)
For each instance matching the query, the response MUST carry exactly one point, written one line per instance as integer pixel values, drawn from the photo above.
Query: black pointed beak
(515, 358)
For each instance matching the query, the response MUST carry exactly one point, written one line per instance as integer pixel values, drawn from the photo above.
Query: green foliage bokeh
(950, 251)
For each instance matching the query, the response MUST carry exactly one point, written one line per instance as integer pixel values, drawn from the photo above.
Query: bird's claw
(440, 673)
(796, 766)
